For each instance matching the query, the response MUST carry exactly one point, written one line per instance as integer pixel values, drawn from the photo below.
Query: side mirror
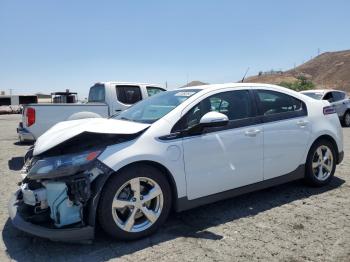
(213, 119)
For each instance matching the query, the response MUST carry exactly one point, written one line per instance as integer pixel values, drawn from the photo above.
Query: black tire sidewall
(309, 176)
(114, 183)
(344, 117)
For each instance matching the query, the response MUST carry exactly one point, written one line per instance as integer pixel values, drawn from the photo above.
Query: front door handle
(302, 123)
(252, 132)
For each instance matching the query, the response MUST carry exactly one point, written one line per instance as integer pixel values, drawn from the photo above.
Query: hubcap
(137, 204)
(322, 163)
(347, 119)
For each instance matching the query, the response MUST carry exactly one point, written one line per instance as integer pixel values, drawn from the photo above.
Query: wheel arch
(330, 139)
(160, 167)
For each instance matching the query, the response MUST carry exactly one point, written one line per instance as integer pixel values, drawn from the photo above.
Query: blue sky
(49, 46)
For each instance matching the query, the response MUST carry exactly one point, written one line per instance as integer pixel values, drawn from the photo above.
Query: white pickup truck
(105, 99)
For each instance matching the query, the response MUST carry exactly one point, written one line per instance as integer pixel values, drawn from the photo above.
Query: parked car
(179, 149)
(105, 99)
(338, 99)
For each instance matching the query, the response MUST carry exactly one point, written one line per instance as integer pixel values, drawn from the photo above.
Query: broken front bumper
(81, 234)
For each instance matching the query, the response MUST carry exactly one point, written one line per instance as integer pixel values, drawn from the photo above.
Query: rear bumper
(24, 134)
(340, 157)
(82, 234)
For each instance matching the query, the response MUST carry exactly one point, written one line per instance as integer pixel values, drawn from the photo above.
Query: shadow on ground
(16, 163)
(24, 143)
(190, 224)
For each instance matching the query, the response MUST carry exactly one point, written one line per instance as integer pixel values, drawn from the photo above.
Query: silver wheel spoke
(319, 153)
(151, 216)
(129, 223)
(315, 165)
(328, 167)
(135, 186)
(320, 172)
(153, 193)
(117, 203)
(326, 155)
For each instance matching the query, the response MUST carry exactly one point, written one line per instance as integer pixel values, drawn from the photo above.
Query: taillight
(327, 110)
(30, 115)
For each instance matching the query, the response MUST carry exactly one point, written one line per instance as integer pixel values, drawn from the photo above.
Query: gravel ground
(286, 223)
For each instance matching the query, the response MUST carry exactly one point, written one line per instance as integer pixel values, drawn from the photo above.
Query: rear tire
(346, 119)
(135, 202)
(321, 163)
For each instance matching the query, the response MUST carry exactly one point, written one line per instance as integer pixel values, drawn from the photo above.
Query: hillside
(195, 83)
(328, 70)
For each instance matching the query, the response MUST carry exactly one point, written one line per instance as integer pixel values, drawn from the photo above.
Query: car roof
(321, 91)
(237, 85)
(127, 83)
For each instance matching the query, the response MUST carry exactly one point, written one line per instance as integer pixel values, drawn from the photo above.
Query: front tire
(321, 163)
(135, 202)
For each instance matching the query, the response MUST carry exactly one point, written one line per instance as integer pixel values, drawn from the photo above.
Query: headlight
(59, 166)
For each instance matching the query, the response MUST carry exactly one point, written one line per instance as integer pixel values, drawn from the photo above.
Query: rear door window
(152, 90)
(278, 106)
(128, 94)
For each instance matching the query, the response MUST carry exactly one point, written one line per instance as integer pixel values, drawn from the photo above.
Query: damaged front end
(58, 196)
(63, 179)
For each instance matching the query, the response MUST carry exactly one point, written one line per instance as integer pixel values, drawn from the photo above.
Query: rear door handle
(302, 123)
(252, 132)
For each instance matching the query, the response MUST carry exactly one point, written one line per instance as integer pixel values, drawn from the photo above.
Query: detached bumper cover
(65, 235)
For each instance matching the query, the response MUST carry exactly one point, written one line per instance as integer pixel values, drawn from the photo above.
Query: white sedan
(176, 150)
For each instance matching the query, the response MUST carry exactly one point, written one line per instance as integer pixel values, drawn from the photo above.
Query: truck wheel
(134, 203)
(321, 163)
(346, 119)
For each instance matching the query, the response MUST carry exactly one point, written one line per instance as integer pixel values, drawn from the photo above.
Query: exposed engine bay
(59, 202)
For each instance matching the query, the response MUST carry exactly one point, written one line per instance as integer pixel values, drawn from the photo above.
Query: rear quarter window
(97, 93)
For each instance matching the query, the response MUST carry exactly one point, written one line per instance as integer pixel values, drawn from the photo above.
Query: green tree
(302, 83)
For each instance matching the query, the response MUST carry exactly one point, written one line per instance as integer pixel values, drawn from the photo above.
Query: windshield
(150, 110)
(314, 95)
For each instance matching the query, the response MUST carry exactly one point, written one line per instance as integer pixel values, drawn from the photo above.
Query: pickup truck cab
(105, 99)
(338, 99)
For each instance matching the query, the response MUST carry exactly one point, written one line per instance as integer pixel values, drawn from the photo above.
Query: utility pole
(318, 51)
(10, 91)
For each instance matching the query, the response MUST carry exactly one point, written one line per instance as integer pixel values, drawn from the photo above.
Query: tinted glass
(151, 90)
(155, 107)
(97, 93)
(235, 104)
(314, 95)
(338, 96)
(129, 94)
(275, 102)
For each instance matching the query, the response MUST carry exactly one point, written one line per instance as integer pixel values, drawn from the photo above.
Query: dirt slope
(328, 70)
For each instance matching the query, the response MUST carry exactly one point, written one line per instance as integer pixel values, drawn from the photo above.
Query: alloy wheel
(322, 162)
(137, 204)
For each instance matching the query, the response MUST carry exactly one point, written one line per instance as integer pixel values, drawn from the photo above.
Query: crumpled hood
(65, 130)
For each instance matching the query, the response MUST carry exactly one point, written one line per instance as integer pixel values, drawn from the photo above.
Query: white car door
(286, 132)
(223, 158)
